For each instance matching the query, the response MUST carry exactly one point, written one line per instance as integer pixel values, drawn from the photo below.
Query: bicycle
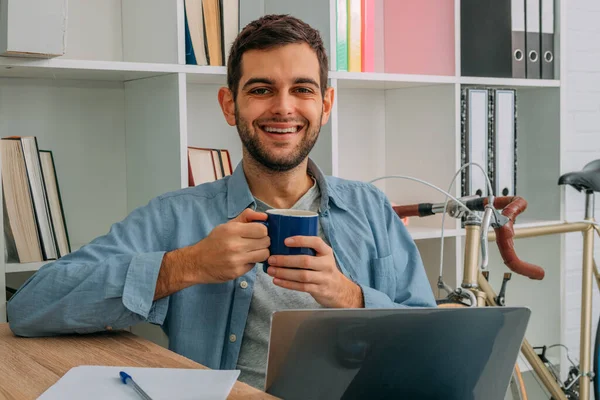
(481, 213)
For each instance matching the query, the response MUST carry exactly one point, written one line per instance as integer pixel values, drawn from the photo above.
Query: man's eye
(259, 91)
(304, 90)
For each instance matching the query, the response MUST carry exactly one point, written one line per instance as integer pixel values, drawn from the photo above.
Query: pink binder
(419, 37)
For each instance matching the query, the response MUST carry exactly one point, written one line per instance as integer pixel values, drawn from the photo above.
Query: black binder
(493, 38)
(547, 29)
(533, 40)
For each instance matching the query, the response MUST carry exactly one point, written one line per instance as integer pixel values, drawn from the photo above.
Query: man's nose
(283, 104)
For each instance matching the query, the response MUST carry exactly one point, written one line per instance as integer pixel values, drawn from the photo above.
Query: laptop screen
(424, 353)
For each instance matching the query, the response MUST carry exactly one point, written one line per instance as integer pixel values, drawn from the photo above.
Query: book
(38, 194)
(212, 27)
(55, 202)
(226, 162)
(20, 228)
(368, 36)
(207, 165)
(195, 40)
(354, 35)
(419, 37)
(230, 10)
(341, 35)
(201, 166)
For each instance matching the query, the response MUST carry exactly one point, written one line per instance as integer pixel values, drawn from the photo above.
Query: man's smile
(280, 130)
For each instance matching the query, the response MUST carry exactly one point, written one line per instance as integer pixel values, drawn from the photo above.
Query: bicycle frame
(474, 281)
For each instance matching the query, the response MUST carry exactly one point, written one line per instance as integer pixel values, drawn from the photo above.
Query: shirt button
(232, 338)
(244, 284)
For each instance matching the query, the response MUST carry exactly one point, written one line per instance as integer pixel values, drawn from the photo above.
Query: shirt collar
(239, 196)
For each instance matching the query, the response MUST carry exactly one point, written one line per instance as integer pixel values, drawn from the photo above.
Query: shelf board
(25, 267)
(373, 80)
(121, 71)
(61, 68)
(205, 74)
(509, 82)
(34, 266)
(419, 233)
(370, 80)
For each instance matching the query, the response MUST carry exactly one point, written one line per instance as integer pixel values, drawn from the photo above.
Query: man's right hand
(229, 251)
(232, 249)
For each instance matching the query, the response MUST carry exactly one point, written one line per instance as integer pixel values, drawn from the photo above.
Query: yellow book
(354, 36)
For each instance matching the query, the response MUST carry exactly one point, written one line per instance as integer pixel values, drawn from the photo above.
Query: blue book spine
(190, 57)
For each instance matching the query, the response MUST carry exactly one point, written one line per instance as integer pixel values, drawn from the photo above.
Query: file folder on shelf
(547, 45)
(492, 34)
(518, 38)
(475, 140)
(532, 41)
(503, 169)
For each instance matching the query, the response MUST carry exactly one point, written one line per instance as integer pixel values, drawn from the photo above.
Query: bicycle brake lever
(485, 225)
(495, 219)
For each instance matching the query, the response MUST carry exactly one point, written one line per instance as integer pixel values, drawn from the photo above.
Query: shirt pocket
(383, 276)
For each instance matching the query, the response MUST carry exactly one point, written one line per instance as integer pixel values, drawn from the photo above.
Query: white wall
(581, 144)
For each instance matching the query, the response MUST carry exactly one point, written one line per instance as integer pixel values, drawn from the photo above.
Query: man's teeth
(277, 130)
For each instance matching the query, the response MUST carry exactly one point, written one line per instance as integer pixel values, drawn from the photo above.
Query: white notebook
(101, 382)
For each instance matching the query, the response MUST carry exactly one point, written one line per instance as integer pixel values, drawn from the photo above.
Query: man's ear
(227, 105)
(327, 104)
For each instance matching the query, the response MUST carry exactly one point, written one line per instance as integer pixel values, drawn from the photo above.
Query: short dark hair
(272, 31)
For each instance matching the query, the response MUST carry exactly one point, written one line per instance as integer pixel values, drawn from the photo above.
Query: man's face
(279, 108)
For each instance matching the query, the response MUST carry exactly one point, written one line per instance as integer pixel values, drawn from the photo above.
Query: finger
(298, 286)
(296, 261)
(295, 275)
(249, 215)
(257, 256)
(252, 230)
(313, 242)
(250, 245)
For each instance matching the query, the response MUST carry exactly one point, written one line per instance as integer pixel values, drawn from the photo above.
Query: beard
(259, 152)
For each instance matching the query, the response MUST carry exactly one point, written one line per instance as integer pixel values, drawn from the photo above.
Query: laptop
(413, 353)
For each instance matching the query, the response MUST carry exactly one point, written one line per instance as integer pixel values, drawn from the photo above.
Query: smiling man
(188, 260)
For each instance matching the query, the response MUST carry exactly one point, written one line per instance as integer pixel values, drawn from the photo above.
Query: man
(188, 259)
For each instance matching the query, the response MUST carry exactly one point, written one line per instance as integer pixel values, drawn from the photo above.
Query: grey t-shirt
(267, 298)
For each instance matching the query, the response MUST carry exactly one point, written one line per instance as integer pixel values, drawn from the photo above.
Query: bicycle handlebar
(511, 207)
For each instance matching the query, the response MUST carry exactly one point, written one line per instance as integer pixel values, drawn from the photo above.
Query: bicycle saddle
(586, 179)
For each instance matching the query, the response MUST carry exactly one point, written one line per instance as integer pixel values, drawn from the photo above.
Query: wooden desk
(29, 366)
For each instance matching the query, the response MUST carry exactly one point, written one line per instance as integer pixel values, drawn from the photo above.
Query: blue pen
(126, 379)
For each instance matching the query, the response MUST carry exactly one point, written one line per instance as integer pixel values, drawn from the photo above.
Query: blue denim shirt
(110, 282)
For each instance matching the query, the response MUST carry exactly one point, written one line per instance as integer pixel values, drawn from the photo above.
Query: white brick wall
(581, 145)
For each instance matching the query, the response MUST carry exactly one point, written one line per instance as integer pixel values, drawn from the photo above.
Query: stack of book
(207, 165)
(34, 222)
(395, 36)
(211, 26)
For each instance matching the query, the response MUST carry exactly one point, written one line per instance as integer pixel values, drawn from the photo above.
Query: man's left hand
(317, 275)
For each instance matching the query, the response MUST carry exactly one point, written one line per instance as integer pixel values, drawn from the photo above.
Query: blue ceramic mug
(283, 223)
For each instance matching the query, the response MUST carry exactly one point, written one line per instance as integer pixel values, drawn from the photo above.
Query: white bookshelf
(120, 108)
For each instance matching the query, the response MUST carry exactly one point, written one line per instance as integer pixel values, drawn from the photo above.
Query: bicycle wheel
(596, 367)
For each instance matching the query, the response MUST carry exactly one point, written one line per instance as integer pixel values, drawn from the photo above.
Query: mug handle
(264, 263)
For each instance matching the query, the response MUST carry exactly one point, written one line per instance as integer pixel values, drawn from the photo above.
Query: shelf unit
(120, 108)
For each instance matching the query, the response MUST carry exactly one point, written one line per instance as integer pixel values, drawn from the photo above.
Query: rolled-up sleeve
(106, 284)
